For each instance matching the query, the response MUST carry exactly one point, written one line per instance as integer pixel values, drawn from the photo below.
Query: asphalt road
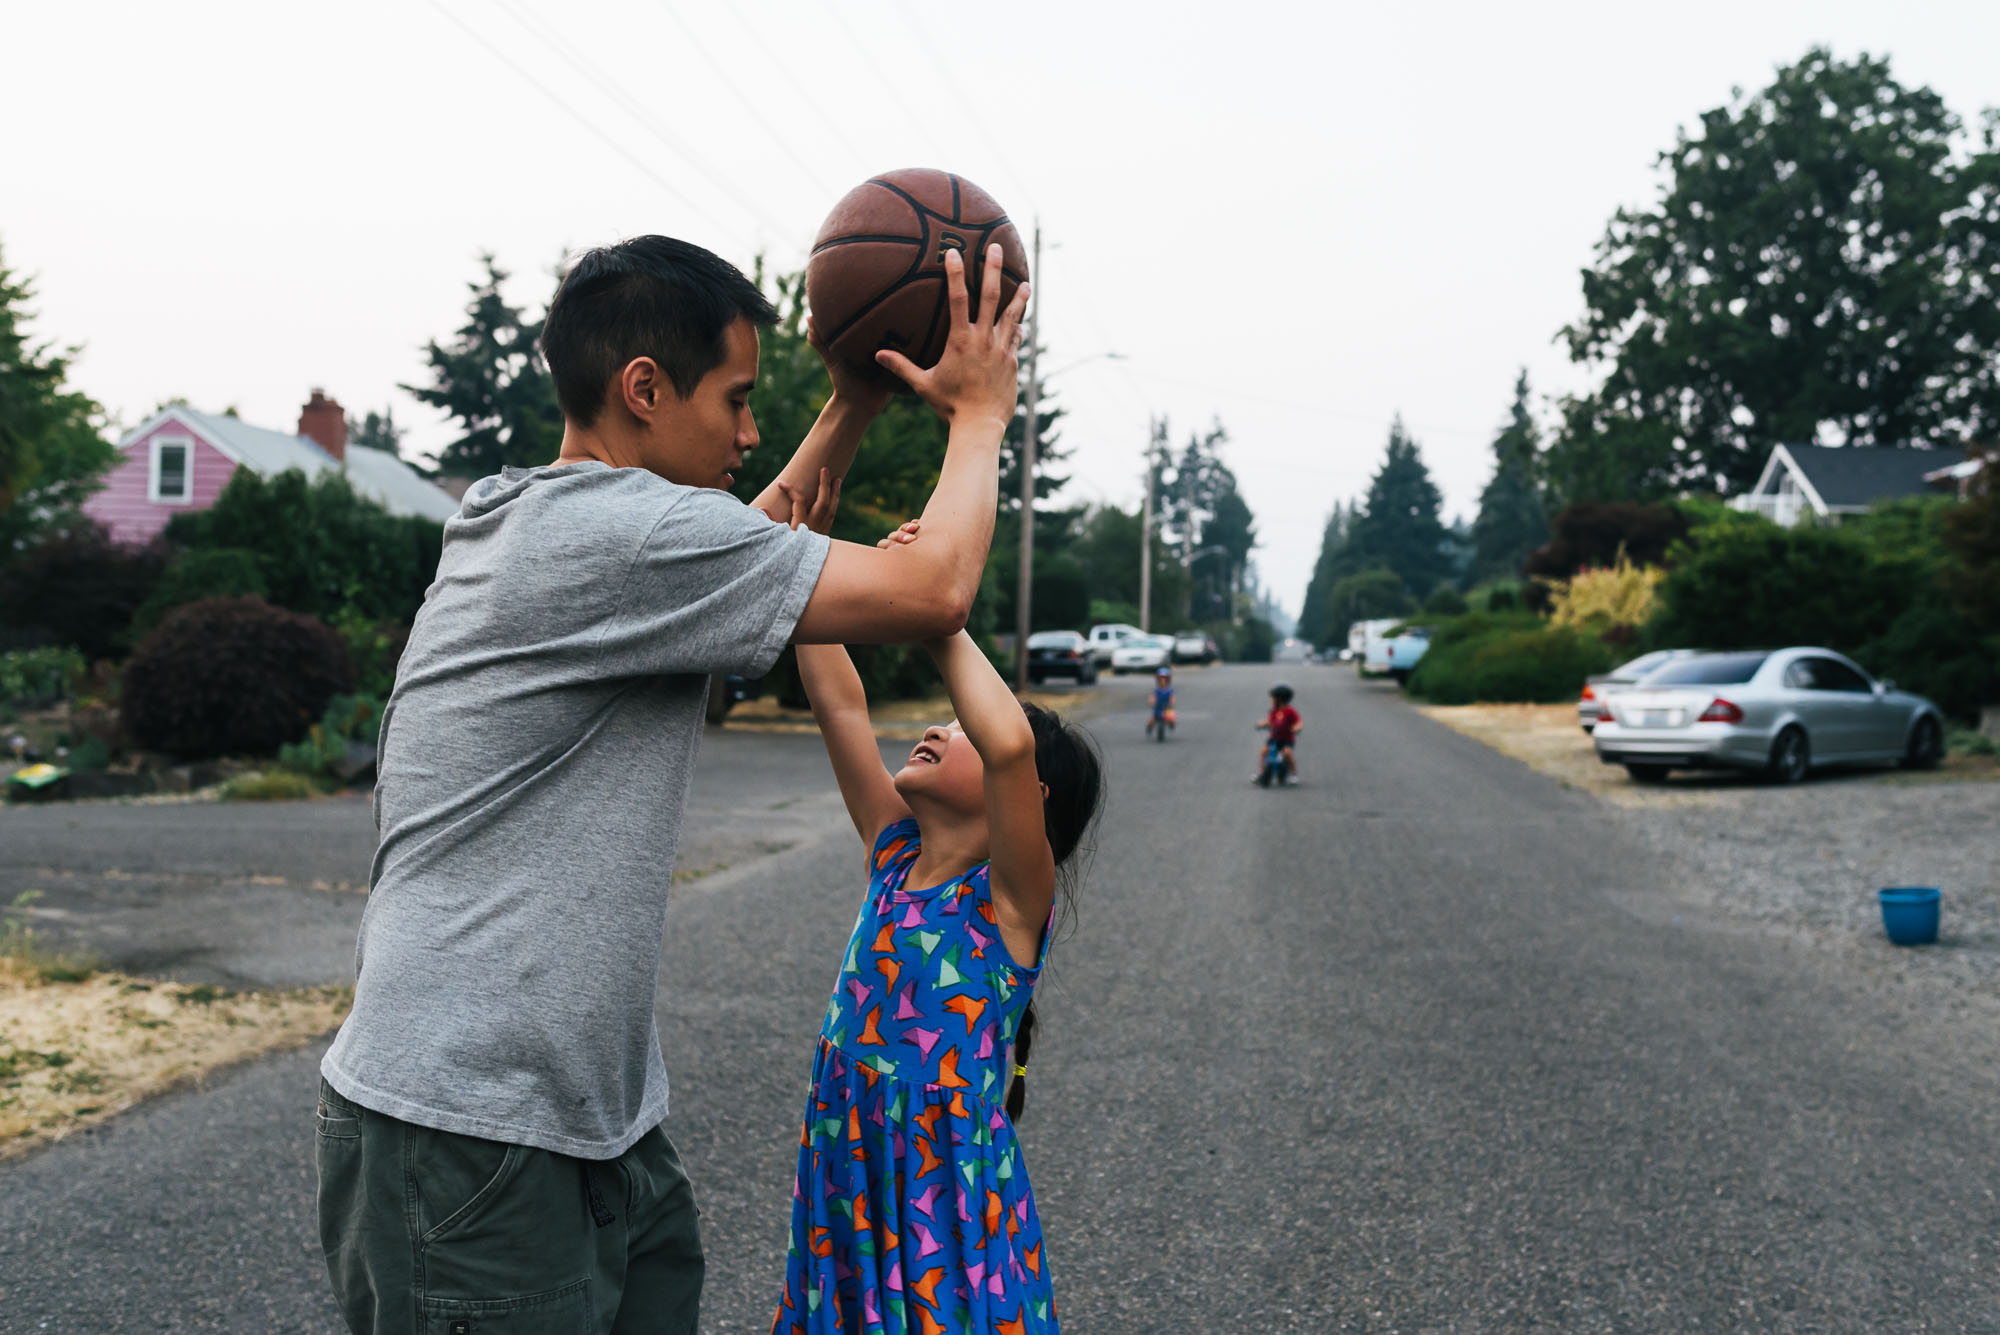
(1426, 1044)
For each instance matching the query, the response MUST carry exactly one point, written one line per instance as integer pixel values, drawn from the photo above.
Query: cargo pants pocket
(564, 1311)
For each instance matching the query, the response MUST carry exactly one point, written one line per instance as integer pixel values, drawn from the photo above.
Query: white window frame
(153, 493)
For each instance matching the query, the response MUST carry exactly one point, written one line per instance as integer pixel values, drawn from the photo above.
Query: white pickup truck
(1395, 656)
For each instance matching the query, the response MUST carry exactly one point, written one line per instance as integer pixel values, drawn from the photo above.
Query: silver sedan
(1621, 678)
(1782, 713)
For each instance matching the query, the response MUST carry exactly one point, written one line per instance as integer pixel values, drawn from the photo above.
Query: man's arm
(829, 447)
(924, 590)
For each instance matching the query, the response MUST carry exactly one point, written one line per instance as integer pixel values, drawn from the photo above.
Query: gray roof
(1858, 475)
(376, 474)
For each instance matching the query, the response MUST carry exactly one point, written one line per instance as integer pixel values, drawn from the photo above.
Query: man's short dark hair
(650, 296)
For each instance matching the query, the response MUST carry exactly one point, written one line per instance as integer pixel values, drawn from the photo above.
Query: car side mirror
(1884, 686)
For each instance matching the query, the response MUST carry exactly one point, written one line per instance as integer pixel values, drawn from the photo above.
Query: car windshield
(1053, 639)
(1709, 670)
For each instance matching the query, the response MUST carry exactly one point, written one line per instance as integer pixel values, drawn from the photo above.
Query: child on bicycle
(1284, 725)
(1163, 700)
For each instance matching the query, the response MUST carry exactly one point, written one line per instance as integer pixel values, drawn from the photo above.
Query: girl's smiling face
(944, 768)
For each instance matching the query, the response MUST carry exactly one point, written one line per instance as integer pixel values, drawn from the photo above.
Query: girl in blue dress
(911, 1210)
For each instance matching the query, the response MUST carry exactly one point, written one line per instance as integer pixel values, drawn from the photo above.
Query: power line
(730, 83)
(639, 164)
(583, 65)
(910, 115)
(968, 106)
(797, 85)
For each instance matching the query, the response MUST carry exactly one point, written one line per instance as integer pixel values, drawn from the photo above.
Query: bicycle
(1275, 769)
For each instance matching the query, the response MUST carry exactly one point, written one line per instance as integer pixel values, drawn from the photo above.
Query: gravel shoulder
(1805, 860)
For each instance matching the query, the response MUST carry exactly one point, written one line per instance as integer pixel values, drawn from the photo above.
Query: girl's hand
(901, 536)
(819, 515)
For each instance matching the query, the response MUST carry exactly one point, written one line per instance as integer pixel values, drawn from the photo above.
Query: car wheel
(1926, 745)
(1647, 773)
(1791, 756)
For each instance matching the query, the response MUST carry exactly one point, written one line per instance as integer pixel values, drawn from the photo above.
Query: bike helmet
(1282, 693)
(1163, 671)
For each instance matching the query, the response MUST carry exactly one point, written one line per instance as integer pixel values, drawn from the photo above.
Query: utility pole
(1156, 430)
(1030, 438)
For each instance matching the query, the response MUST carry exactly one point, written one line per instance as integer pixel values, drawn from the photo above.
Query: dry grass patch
(1548, 738)
(74, 1053)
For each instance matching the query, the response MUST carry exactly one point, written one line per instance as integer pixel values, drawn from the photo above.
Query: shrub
(221, 572)
(320, 546)
(1368, 596)
(39, 674)
(348, 718)
(374, 647)
(79, 588)
(1445, 601)
(232, 676)
(1595, 534)
(1599, 598)
(1507, 660)
(1763, 587)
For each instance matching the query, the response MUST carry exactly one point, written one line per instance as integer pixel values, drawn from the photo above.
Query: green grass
(1969, 742)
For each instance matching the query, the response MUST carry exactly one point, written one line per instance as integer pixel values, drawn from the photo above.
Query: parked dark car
(1061, 653)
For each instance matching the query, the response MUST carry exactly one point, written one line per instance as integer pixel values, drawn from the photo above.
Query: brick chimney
(324, 421)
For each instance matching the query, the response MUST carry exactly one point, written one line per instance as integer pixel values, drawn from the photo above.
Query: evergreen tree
(378, 431)
(491, 379)
(1399, 526)
(1511, 522)
(1315, 616)
(52, 453)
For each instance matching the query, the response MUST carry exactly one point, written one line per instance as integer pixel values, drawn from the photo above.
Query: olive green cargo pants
(431, 1233)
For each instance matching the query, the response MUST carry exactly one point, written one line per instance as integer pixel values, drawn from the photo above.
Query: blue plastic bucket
(1910, 914)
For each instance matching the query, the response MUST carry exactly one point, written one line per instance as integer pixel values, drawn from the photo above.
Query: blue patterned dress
(911, 1211)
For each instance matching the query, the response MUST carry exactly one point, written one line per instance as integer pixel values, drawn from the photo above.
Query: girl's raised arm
(839, 704)
(1024, 869)
(840, 707)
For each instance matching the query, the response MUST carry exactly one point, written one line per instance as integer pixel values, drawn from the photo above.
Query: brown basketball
(876, 277)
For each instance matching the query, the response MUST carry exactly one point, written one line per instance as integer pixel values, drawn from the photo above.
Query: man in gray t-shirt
(489, 1121)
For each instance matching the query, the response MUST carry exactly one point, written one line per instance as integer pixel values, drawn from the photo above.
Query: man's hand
(977, 376)
(866, 393)
(817, 516)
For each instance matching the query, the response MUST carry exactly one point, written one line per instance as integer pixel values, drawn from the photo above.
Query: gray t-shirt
(535, 758)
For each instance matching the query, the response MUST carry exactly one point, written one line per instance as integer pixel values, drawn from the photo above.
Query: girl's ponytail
(1017, 1089)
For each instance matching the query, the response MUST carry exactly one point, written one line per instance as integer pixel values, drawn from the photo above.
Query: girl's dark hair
(1068, 764)
(650, 296)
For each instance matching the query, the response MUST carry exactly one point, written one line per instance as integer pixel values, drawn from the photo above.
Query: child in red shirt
(1284, 725)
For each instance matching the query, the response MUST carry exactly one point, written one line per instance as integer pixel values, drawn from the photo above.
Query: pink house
(180, 460)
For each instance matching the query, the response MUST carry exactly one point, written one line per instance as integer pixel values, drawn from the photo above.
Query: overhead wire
(632, 107)
(799, 86)
(729, 82)
(910, 115)
(644, 168)
(968, 108)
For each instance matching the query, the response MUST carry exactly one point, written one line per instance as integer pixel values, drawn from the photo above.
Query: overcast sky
(1301, 219)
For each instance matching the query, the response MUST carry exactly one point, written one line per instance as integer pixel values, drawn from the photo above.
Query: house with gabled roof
(1826, 481)
(179, 460)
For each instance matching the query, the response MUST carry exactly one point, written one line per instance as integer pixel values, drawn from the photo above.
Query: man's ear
(640, 387)
(1045, 792)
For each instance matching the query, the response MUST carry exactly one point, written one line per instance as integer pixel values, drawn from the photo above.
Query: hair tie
(1021, 1072)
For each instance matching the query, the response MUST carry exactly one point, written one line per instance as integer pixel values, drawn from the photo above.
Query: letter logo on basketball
(950, 241)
